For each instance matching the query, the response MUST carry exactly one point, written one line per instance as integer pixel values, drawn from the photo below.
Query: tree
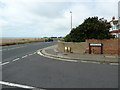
(91, 28)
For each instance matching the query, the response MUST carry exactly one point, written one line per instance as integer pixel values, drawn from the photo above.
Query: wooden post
(89, 49)
(101, 48)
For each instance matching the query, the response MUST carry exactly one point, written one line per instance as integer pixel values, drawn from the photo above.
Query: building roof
(114, 22)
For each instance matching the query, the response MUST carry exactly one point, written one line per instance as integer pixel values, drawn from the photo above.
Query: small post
(71, 19)
(66, 49)
(101, 48)
(69, 49)
(89, 49)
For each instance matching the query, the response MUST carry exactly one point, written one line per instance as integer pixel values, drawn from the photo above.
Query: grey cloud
(46, 18)
(49, 10)
(2, 5)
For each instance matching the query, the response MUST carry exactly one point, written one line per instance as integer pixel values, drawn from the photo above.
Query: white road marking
(16, 85)
(38, 52)
(94, 62)
(68, 60)
(12, 48)
(56, 58)
(30, 54)
(3, 49)
(34, 53)
(83, 61)
(24, 56)
(16, 59)
(110, 56)
(114, 63)
(5, 63)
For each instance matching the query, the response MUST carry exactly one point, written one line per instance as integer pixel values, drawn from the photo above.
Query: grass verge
(22, 42)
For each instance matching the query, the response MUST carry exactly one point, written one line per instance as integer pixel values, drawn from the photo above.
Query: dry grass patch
(6, 42)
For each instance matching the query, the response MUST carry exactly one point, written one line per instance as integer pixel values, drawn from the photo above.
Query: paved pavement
(52, 51)
(36, 71)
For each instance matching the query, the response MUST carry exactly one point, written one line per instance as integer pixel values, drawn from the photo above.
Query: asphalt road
(25, 67)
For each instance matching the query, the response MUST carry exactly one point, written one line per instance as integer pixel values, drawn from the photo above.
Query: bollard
(66, 49)
(69, 49)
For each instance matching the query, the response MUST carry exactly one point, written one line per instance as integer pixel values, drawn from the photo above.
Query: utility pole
(118, 18)
(71, 20)
(119, 15)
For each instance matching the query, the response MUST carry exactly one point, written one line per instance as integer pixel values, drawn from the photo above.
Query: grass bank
(7, 42)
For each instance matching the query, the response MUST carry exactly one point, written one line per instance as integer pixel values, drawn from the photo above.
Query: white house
(115, 24)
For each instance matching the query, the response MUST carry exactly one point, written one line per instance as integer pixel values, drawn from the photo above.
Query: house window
(114, 27)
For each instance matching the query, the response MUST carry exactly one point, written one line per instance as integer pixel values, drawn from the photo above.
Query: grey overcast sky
(41, 18)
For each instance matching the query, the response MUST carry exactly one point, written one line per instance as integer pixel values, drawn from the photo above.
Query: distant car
(48, 40)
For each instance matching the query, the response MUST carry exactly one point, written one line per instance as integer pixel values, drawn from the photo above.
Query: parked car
(48, 40)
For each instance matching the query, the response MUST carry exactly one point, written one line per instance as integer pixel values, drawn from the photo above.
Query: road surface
(23, 67)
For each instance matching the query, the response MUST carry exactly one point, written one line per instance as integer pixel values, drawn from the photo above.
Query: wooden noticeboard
(96, 45)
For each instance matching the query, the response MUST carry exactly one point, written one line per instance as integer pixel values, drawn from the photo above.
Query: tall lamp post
(71, 20)
(119, 18)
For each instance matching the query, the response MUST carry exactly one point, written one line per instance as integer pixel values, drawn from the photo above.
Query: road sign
(96, 44)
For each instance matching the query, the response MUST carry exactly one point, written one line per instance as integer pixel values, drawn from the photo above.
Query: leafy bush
(91, 28)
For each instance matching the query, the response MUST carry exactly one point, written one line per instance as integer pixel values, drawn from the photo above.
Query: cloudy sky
(40, 18)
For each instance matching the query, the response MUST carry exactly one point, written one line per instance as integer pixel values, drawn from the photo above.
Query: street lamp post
(71, 20)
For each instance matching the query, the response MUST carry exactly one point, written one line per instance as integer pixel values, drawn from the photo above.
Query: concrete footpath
(52, 52)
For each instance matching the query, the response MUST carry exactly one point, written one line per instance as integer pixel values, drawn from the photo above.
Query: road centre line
(12, 48)
(3, 49)
(24, 56)
(16, 85)
(30, 54)
(34, 53)
(16, 59)
(5, 63)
